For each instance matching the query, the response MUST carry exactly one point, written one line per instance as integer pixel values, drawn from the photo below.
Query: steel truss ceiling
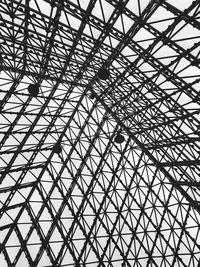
(100, 172)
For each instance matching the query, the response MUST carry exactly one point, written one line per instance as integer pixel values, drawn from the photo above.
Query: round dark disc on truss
(119, 138)
(57, 149)
(103, 74)
(33, 90)
(92, 96)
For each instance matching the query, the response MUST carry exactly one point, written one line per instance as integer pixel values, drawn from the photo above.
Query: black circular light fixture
(119, 138)
(33, 90)
(103, 73)
(92, 96)
(57, 148)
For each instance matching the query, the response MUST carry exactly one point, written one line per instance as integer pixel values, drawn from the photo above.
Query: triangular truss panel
(100, 133)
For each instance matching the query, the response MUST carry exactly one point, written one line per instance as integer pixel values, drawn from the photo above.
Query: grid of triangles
(71, 194)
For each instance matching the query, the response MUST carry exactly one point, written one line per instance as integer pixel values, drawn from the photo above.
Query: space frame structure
(100, 133)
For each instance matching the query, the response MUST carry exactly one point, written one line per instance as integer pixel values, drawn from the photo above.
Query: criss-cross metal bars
(71, 193)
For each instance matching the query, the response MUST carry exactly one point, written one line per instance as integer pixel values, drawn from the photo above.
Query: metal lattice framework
(100, 171)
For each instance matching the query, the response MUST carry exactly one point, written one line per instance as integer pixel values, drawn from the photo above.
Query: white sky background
(132, 5)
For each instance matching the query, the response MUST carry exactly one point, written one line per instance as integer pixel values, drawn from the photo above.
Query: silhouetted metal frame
(109, 104)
